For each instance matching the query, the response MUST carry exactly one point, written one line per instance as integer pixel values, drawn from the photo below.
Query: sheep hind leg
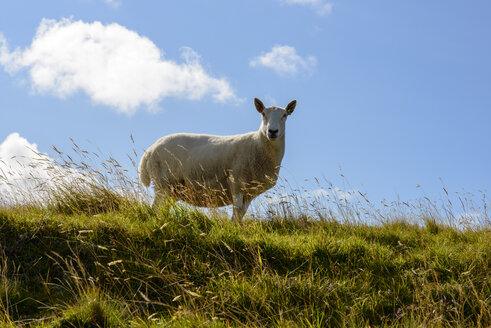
(240, 204)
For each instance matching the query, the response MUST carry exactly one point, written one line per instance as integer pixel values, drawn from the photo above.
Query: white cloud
(284, 60)
(24, 171)
(113, 65)
(114, 3)
(27, 175)
(30, 176)
(17, 154)
(322, 7)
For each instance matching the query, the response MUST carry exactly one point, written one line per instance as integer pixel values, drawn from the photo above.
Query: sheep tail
(142, 170)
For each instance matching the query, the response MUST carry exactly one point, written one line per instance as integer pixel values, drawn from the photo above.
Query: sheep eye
(284, 116)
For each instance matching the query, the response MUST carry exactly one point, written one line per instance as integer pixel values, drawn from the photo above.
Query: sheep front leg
(159, 199)
(240, 204)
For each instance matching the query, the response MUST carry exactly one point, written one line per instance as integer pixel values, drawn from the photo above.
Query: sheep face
(274, 119)
(273, 124)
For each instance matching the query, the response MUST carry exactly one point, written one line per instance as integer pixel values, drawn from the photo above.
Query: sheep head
(274, 119)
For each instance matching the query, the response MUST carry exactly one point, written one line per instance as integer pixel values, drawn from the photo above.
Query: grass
(178, 267)
(95, 254)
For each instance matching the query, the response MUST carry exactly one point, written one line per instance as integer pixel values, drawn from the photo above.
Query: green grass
(131, 266)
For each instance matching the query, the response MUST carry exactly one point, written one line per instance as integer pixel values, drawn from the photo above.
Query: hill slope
(133, 267)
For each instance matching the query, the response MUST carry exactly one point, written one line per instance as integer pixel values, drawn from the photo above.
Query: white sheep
(209, 170)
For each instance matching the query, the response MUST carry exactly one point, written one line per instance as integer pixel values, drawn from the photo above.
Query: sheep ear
(291, 106)
(259, 105)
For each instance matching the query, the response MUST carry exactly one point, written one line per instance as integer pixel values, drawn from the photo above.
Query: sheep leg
(159, 199)
(240, 204)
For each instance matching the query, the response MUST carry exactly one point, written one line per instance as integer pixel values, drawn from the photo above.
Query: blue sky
(396, 94)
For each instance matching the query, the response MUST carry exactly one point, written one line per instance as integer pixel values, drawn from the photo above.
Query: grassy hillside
(90, 252)
(87, 264)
